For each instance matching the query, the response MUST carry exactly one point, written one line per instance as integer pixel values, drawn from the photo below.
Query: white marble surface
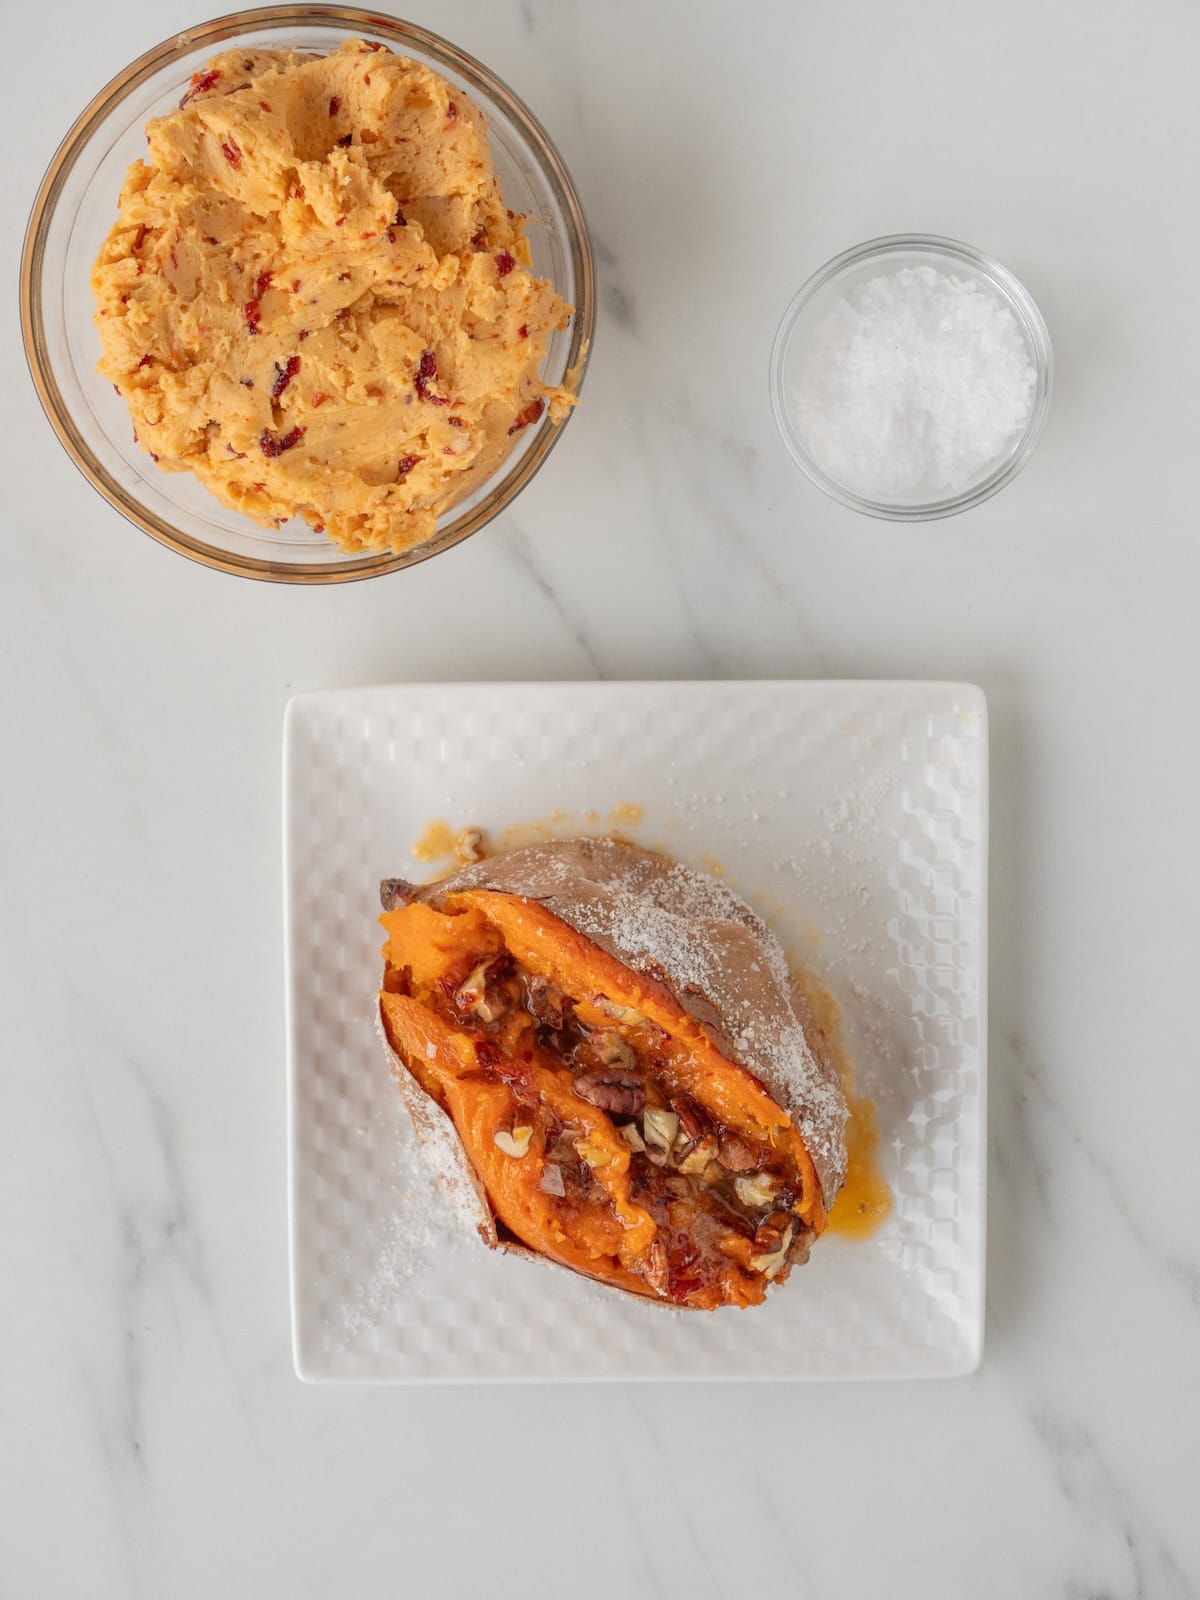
(153, 1440)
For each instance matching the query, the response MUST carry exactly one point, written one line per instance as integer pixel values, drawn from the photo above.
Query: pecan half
(691, 1117)
(612, 1089)
(772, 1255)
(769, 1235)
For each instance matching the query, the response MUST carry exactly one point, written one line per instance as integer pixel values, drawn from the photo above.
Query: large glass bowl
(77, 204)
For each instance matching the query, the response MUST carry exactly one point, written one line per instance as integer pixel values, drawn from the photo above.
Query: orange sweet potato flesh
(522, 1084)
(477, 1109)
(550, 947)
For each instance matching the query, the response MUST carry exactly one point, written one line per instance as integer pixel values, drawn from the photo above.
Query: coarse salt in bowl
(911, 377)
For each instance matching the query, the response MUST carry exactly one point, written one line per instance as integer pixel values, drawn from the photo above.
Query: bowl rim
(1014, 294)
(370, 24)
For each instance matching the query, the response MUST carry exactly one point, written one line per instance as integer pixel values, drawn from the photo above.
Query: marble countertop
(153, 1438)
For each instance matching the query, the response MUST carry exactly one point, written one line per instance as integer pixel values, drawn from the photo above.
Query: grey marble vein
(153, 1217)
(619, 305)
(1099, 1496)
(519, 548)
(1035, 1099)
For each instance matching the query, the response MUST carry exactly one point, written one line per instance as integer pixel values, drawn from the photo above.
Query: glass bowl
(854, 267)
(77, 204)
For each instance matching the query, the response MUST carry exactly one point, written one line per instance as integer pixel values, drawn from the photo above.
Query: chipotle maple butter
(315, 299)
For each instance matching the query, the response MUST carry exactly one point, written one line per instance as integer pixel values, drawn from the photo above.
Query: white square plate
(853, 815)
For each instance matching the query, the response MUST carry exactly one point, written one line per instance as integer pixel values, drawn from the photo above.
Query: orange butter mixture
(315, 299)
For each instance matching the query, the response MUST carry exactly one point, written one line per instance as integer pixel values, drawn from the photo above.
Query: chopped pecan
(546, 1002)
(469, 845)
(771, 1255)
(756, 1192)
(622, 1093)
(625, 1015)
(736, 1154)
(514, 1143)
(691, 1118)
(478, 996)
(611, 1050)
(660, 1129)
(769, 1235)
(695, 1158)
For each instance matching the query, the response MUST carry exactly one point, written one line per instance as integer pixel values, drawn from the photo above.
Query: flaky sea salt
(914, 383)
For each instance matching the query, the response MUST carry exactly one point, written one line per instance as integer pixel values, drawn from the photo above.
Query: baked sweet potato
(636, 1088)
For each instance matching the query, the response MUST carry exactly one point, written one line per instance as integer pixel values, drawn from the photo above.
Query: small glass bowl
(866, 261)
(77, 204)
